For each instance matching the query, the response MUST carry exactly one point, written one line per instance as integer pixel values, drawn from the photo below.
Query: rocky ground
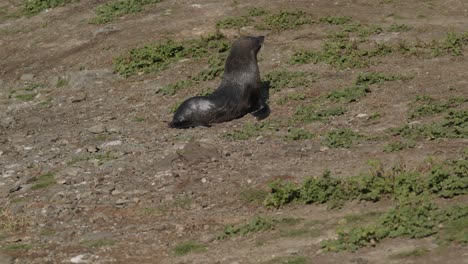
(90, 172)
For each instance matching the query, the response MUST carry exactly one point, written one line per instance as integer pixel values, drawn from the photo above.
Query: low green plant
(305, 114)
(291, 97)
(33, 7)
(426, 106)
(172, 89)
(234, 22)
(399, 145)
(110, 11)
(252, 130)
(61, 82)
(285, 20)
(452, 44)
(251, 195)
(257, 224)
(335, 20)
(257, 11)
(288, 260)
(97, 243)
(454, 125)
(362, 30)
(17, 246)
(278, 80)
(377, 77)
(298, 134)
(26, 97)
(413, 217)
(187, 247)
(340, 138)
(43, 181)
(349, 94)
(399, 28)
(341, 53)
(444, 180)
(158, 56)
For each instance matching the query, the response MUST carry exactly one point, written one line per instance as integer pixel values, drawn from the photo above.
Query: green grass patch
(399, 145)
(291, 97)
(17, 246)
(252, 130)
(114, 9)
(340, 138)
(335, 20)
(234, 22)
(174, 88)
(395, 27)
(255, 225)
(454, 125)
(288, 260)
(349, 94)
(413, 217)
(257, 11)
(454, 231)
(27, 97)
(341, 53)
(187, 247)
(278, 80)
(299, 134)
(254, 196)
(285, 20)
(43, 181)
(157, 56)
(425, 105)
(305, 114)
(362, 30)
(33, 7)
(61, 82)
(377, 77)
(97, 243)
(445, 180)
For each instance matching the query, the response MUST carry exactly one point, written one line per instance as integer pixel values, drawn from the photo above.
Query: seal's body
(238, 94)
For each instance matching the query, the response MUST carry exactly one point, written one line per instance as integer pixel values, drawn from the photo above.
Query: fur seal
(238, 94)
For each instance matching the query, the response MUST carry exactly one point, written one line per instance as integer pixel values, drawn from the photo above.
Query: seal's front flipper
(262, 113)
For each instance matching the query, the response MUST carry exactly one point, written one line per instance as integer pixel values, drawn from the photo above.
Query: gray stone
(7, 122)
(97, 129)
(121, 201)
(78, 97)
(27, 77)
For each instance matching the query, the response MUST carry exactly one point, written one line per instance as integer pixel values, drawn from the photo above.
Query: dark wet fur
(239, 92)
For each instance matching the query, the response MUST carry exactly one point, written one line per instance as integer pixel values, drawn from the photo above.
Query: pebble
(27, 77)
(121, 201)
(97, 129)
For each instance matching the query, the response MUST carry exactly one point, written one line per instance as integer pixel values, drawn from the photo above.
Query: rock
(121, 201)
(27, 77)
(78, 97)
(105, 31)
(6, 259)
(92, 149)
(7, 122)
(292, 251)
(208, 238)
(111, 143)
(97, 129)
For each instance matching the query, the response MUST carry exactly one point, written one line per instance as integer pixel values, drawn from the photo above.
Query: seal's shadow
(264, 111)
